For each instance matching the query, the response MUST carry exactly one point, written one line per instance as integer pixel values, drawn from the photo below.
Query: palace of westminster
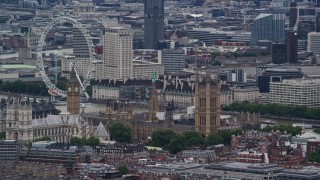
(26, 120)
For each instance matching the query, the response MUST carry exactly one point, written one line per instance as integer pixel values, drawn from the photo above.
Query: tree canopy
(314, 157)
(289, 129)
(176, 142)
(2, 135)
(33, 88)
(123, 170)
(275, 110)
(120, 133)
(222, 137)
(91, 141)
(317, 130)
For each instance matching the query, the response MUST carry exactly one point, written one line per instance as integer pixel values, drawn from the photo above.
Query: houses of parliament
(25, 122)
(28, 120)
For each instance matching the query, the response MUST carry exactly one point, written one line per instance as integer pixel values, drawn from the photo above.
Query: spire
(154, 75)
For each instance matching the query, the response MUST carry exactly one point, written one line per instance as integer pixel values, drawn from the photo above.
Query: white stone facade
(60, 128)
(105, 92)
(246, 94)
(296, 92)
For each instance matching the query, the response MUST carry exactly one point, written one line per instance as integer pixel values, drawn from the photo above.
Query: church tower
(73, 93)
(207, 104)
(154, 105)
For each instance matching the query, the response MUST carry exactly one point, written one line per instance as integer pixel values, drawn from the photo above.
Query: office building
(279, 53)
(153, 23)
(79, 43)
(314, 43)
(238, 75)
(268, 27)
(296, 92)
(118, 53)
(173, 60)
(291, 42)
(293, 14)
(275, 74)
(207, 104)
(9, 150)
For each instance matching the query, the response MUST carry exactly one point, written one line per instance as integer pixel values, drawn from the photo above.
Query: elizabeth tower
(73, 93)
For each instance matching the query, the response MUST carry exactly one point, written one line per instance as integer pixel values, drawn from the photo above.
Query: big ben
(73, 93)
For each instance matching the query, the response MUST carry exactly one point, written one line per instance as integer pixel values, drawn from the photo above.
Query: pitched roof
(101, 131)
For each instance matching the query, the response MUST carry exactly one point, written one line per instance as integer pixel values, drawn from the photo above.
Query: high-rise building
(73, 94)
(293, 14)
(173, 60)
(207, 104)
(153, 23)
(118, 53)
(80, 46)
(268, 27)
(314, 43)
(291, 42)
(279, 53)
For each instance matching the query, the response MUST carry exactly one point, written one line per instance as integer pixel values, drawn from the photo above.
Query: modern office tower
(173, 60)
(314, 43)
(291, 42)
(296, 92)
(80, 46)
(276, 74)
(279, 53)
(207, 104)
(293, 14)
(118, 53)
(238, 75)
(268, 27)
(153, 23)
(278, 27)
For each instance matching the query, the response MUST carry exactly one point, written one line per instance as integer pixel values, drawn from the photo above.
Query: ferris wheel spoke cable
(53, 90)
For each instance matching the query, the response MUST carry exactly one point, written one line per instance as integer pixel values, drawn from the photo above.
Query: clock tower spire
(73, 93)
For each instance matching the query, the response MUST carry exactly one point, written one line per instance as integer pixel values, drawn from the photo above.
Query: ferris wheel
(53, 90)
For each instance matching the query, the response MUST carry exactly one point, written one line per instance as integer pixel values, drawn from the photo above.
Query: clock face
(76, 89)
(69, 89)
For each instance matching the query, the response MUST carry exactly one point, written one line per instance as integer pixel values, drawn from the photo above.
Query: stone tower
(73, 93)
(207, 104)
(154, 105)
(19, 119)
(168, 120)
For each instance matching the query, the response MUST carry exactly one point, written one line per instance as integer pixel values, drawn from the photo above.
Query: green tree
(2, 135)
(120, 133)
(93, 141)
(317, 130)
(177, 143)
(162, 138)
(216, 63)
(214, 139)
(193, 138)
(289, 129)
(314, 157)
(123, 170)
(214, 55)
(222, 136)
(75, 141)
